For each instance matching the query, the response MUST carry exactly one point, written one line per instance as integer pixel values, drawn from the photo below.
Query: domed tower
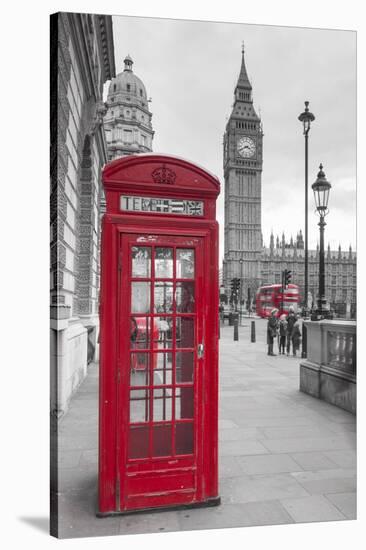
(127, 123)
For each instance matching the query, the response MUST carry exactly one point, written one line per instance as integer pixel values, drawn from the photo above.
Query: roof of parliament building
(295, 249)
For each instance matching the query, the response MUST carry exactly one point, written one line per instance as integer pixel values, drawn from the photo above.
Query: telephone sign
(161, 206)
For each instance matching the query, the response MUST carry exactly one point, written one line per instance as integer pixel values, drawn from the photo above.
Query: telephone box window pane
(138, 442)
(184, 297)
(164, 263)
(162, 440)
(139, 372)
(139, 405)
(140, 332)
(162, 404)
(184, 438)
(163, 333)
(163, 369)
(185, 263)
(163, 297)
(184, 332)
(184, 403)
(141, 261)
(140, 297)
(184, 366)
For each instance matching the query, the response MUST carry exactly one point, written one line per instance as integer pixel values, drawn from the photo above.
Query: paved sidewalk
(285, 457)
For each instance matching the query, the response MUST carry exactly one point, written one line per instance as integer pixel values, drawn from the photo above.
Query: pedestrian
(282, 334)
(291, 319)
(272, 330)
(221, 312)
(296, 335)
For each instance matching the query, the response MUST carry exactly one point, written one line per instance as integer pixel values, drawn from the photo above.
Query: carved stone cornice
(100, 110)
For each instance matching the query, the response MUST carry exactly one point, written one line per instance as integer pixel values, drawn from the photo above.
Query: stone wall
(329, 372)
(82, 59)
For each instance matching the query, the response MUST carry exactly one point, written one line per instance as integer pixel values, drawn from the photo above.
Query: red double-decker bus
(271, 296)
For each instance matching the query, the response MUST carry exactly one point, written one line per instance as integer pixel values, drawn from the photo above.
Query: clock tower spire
(244, 86)
(243, 160)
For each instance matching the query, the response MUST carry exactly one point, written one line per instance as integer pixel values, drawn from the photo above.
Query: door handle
(200, 351)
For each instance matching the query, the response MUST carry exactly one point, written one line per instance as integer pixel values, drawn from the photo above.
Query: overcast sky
(190, 70)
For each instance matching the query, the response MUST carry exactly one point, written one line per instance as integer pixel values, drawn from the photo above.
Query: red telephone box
(158, 411)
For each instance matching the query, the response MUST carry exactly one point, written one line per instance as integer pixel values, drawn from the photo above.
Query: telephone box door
(161, 359)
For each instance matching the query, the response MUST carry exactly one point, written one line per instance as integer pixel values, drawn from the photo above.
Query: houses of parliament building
(245, 256)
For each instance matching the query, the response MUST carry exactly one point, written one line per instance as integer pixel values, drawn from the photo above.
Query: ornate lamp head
(321, 188)
(306, 118)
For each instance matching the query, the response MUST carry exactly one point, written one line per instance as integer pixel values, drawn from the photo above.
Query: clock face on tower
(246, 147)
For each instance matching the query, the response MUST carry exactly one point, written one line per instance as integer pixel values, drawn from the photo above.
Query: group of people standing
(286, 329)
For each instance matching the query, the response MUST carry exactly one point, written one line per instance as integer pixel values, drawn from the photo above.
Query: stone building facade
(127, 121)
(340, 271)
(82, 60)
(245, 256)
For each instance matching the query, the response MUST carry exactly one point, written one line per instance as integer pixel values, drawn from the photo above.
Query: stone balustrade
(329, 372)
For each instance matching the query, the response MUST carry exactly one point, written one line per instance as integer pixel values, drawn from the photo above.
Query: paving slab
(268, 464)
(320, 475)
(260, 412)
(265, 487)
(244, 421)
(89, 458)
(225, 423)
(288, 445)
(157, 522)
(242, 447)
(235, 434)
(284, 456)
(236, 515)
(77, 516)
(327, 481)
(313, 460)
(229, 466)
(282, 432)
(238, 403)
(344, 459)
(78, 441)
(69, 459)
(313, 508)
(81, 478)
(344, 427)
(345, 502)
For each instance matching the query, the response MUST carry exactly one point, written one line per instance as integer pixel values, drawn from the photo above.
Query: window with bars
(162, 352)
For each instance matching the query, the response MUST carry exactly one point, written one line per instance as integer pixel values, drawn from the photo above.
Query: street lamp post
(321, 188)
(306, 118)
(241, 261)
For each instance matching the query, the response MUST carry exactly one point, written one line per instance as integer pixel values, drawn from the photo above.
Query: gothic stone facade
(82, 60)
(243, 158)
(340, 272)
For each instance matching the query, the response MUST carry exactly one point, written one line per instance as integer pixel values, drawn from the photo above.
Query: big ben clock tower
(243, 159)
